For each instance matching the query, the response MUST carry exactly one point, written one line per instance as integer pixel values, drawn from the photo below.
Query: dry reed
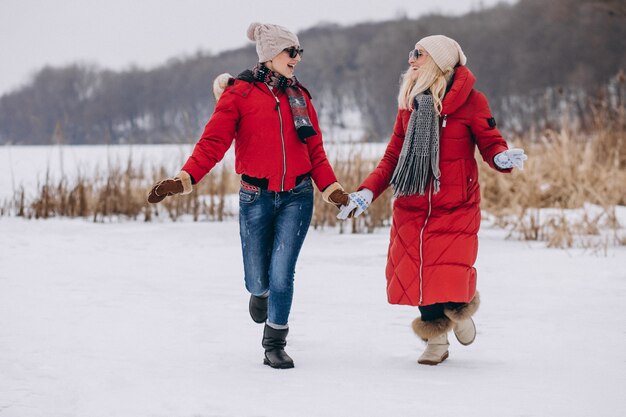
(567, 170)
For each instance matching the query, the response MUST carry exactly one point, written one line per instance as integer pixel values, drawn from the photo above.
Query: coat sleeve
(487, 136)
(379, 179)
(321, 172)
(217, 137)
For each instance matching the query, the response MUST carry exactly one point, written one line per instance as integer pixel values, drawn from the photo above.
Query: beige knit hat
(446, 52)
(270, 39)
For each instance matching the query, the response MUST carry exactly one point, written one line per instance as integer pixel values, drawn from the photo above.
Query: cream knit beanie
(446, 52)
(270, 39)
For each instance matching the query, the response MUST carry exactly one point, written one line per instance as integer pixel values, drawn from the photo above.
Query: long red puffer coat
(434, 240)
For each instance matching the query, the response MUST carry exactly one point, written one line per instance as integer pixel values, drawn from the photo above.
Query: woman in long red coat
(436, 215)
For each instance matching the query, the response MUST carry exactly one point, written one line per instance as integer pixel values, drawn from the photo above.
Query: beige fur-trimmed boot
(436, 350)
(464, 327)
(435, 334)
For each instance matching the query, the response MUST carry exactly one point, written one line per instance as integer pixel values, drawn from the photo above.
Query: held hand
(335, 195)
(181, 184)
(510, 158)
(339, 198)
(359, 202)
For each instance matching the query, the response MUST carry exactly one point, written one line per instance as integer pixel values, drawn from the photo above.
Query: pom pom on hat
(251, 30)
(270, 39)
(446, 52)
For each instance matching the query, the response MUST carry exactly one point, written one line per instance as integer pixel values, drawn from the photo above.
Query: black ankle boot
(274, 342)
(258, 308)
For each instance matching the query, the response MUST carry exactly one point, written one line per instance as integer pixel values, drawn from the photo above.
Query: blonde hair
(429, 77)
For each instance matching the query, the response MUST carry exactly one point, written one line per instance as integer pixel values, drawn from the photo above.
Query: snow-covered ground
(133, 319)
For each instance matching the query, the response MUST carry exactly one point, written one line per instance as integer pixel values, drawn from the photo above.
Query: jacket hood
(462, 86)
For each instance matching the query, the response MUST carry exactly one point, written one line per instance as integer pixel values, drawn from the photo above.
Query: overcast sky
(119, 33)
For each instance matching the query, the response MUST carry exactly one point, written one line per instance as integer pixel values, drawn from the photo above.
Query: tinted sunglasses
(293, 51)
(415, 54)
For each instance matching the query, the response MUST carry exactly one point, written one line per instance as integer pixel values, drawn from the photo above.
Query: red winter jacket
(266, 141)
(433, 244)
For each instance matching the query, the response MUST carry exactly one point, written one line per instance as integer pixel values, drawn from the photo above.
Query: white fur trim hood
(219, 84)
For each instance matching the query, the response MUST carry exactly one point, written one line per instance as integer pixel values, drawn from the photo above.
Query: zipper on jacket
(282, 138)
(445, 120)
(430, 206)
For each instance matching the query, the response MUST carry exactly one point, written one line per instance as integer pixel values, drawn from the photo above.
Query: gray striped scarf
(420, 152)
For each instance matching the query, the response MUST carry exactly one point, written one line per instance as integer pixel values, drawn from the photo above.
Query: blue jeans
(273, 226)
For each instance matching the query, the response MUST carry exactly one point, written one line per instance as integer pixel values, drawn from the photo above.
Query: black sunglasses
(415, 54)
(293, 51)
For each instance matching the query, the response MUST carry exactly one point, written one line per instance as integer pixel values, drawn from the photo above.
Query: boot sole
(278, 366)
(427, 362)
(468, 343)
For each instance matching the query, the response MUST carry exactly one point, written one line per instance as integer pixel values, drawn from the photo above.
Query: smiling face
(423, 74)
(284, 64)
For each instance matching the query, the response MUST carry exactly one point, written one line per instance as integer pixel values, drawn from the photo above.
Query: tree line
(519, 53)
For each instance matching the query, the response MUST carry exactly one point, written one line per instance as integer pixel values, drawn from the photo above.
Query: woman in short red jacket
(436, 215)
(278, 152)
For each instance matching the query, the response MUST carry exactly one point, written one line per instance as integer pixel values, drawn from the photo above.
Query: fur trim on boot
(464, 312)
(429, 329)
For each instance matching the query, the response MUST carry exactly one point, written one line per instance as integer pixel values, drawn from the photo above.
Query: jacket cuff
(371, 185)
(185, 178)
(329, 190)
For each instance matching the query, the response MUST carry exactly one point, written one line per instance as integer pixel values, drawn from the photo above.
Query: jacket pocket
(306, 186)
(247, 196)
(453, 185)
(465, 180)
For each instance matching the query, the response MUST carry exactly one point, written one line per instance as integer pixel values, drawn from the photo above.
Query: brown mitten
(181, 184)
(339, 198)
(334, 194)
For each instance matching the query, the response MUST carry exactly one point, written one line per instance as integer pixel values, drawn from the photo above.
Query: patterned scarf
(295, 95)
(419, 158)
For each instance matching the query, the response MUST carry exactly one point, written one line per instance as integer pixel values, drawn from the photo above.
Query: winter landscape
(113, 307)
(126, 318)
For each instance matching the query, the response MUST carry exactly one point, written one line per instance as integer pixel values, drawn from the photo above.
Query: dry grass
(581, 174)
(351, 170)
(122, 193)
(567, 170)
